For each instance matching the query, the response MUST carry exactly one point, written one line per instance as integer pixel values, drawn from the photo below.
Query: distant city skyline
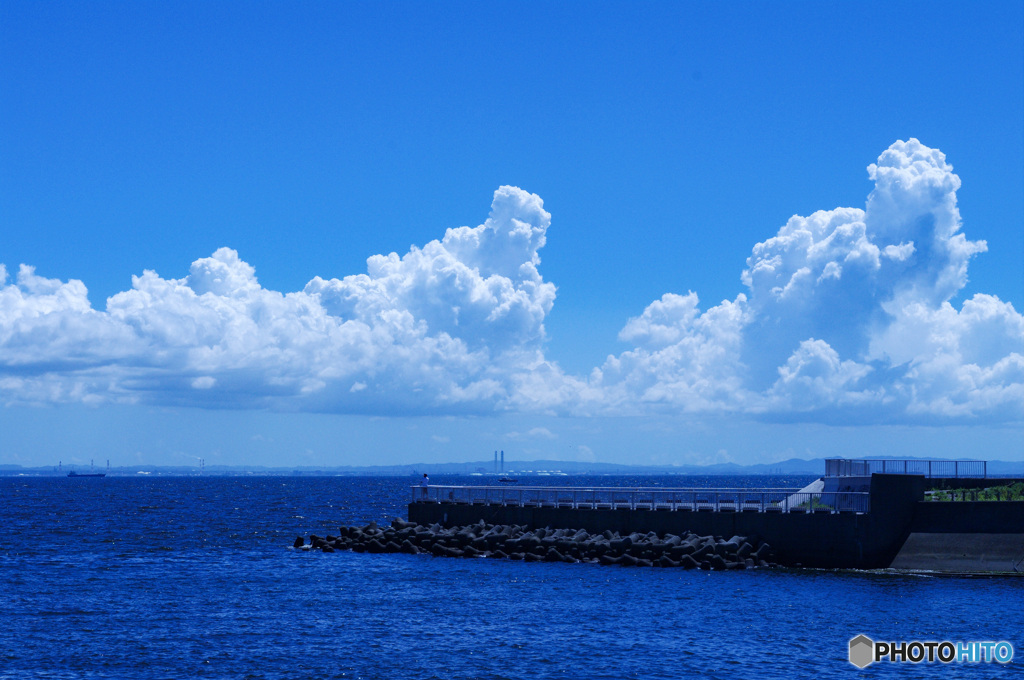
(393, 234)
(969, 469)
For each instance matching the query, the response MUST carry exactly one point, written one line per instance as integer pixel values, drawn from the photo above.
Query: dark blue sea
(160, 577)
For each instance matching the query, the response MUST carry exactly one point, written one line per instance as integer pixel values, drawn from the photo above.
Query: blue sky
(253, 156)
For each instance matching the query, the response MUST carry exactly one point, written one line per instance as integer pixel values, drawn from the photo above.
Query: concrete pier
(867, 530)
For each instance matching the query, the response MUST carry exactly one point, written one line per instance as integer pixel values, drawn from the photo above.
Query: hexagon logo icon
(862, 651)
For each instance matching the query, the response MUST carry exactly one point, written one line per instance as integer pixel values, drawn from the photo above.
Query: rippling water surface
(195, 577)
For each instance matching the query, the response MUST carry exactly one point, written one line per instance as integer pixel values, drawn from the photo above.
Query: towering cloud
(848, 316)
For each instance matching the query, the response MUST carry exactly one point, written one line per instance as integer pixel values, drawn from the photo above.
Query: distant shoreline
(485, 470)
(483, 479)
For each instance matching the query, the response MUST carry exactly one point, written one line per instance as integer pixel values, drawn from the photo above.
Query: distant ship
(92, 471)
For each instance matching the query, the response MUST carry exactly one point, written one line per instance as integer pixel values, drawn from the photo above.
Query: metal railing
(842, 467)
(639, 498)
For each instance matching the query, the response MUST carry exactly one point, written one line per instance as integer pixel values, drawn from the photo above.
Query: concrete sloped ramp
(817, 486)
(974, 553)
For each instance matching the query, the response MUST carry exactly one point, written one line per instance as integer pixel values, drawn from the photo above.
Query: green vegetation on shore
(1006, 492)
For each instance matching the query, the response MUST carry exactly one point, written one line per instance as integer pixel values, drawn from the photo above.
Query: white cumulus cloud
(454, 326)
(848, 315)
(684, 359)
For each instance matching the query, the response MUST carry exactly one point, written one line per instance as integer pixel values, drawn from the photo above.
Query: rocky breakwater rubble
(514, 542)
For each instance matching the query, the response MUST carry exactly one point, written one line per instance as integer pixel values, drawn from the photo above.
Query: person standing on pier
(424, 483)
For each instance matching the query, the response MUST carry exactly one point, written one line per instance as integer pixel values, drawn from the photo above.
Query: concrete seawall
(962, 552)
(901, 530)
(965, 536)
(816, 539)
(980, 517)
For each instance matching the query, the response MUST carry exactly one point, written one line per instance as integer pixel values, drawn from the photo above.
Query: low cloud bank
(847, 317)
(453, 327)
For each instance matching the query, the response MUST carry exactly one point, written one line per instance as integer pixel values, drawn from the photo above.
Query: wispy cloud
(847, 316)
(533, 433)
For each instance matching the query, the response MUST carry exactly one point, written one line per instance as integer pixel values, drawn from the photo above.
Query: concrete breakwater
(810, 539)
(896, 528)
(516, 542)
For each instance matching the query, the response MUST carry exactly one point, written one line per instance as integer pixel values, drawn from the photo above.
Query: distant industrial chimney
(503, 461)
(495, 461)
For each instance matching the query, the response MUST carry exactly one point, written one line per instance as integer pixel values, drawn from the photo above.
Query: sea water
(153, 577)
